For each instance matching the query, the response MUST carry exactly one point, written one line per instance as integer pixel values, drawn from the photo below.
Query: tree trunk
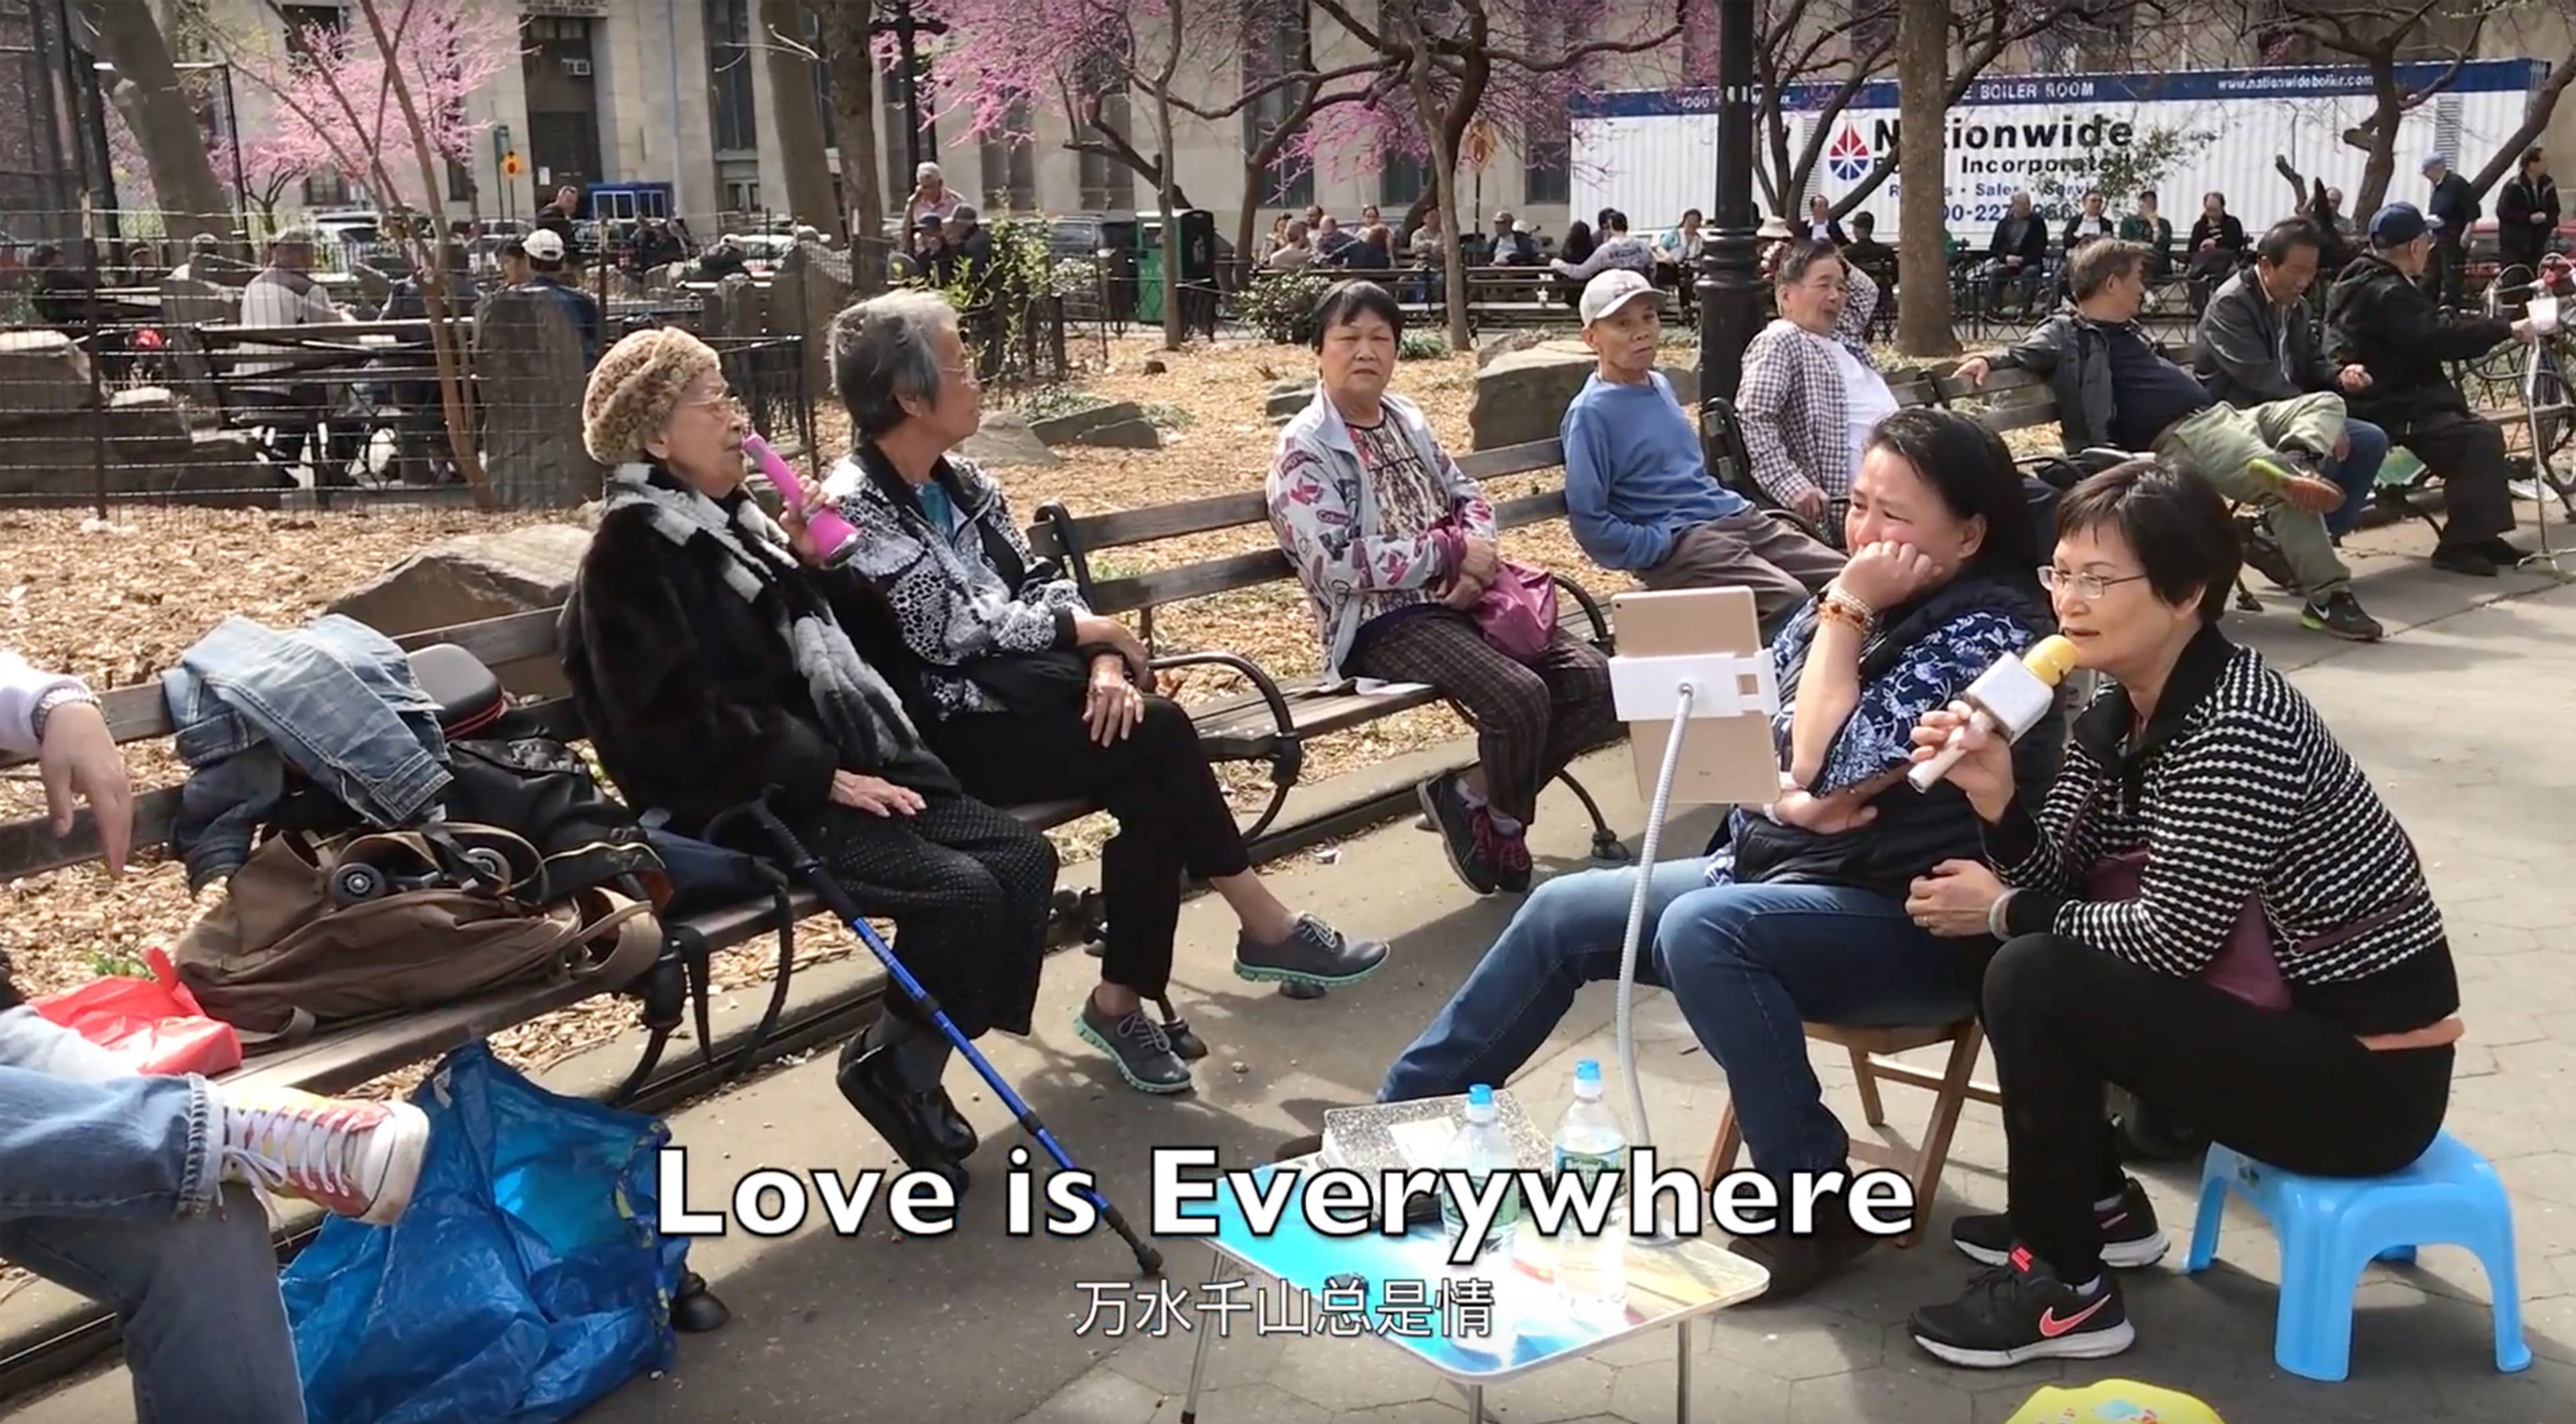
(146, 91)
(1443, 129)
(2381, 163)
(854, 113)
(1167, 202)
(800, 128)
(1923, 263)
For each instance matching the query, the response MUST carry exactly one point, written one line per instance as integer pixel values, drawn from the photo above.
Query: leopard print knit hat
(636, 387)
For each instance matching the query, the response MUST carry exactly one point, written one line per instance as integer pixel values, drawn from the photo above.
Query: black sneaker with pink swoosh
(2018, 1311)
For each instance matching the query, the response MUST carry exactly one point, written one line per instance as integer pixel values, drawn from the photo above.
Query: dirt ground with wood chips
(117, 603)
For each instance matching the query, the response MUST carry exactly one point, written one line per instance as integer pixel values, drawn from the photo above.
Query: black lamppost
(906, 27)
(1730, 306)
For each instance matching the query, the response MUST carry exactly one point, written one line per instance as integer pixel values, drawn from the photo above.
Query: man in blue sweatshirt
(1639, 492)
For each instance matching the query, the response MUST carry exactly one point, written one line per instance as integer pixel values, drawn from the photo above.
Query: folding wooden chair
(1872, 1063)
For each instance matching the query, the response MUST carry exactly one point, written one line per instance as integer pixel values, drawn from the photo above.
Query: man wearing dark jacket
(2114, 390)
(2017, 252)
(2527, 214)
(2454, 210)
(2380, 319)
(2258, 344)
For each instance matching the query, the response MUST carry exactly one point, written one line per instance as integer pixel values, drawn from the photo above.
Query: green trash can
(1149, 285)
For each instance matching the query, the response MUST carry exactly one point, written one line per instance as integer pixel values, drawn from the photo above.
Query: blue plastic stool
(2333, 1227)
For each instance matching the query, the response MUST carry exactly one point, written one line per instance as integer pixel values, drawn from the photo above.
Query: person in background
(2152, 230)
(284, 294)
(1796, 910)
(965, 249)
(64, 296)
(931, 198)
(1278, 234)
(2114, 390)
(2087, 225)
(558, 216)
(2454, 210)
(1617, 248)
(1031, 697)
(2527, 214)
(1513, 244)
(1638, 492)
(1428, 246)
(2018, 255)
(1394, 546)
(205, 259)
(2256, 344)
(144, 1192)
(546, 274)
(2334, 235)
(1867, 254)
(1331, 241)
(929, 248)
(510, 259)
(2379, 317)
(1679, 249)
(1372, 250)
(1821, 226)
(2217, 246)
(2203, 778)
(1579, 242)
(1811, 392)
(723, 258)
(1294, 253)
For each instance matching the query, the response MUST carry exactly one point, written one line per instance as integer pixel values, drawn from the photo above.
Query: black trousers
(967, 888)
(2468, 453)
(1172, 815)
(2294, 1089)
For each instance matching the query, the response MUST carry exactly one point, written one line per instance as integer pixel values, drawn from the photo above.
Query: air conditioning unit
(577, 68)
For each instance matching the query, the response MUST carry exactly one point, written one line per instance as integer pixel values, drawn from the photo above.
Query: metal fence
(128, 403)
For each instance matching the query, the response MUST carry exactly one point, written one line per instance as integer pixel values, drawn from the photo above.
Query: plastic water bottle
(1479, 1150)
(1591, 1270)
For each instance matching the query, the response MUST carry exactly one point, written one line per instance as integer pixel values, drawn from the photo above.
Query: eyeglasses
(962, 373)
(2088, 586)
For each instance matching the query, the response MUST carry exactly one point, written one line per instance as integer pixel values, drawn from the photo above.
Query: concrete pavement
(2461, 719)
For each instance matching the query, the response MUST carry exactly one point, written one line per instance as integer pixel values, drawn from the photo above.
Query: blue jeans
(1747, 963)
(2357, 472)
(111, 1185)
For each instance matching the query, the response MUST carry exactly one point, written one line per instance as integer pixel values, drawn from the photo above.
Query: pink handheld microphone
(833, 535)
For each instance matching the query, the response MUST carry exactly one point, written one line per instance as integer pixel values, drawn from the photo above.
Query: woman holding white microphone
(2210, 907)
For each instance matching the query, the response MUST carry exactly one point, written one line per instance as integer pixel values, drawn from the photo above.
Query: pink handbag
(1518, 612)
(2245, 965)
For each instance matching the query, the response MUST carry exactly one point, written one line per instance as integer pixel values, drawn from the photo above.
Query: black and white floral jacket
(951, 599)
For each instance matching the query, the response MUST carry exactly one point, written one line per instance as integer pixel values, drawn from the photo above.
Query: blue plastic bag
(526, 1280)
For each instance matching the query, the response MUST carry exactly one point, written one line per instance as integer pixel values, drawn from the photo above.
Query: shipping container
(1652, 153)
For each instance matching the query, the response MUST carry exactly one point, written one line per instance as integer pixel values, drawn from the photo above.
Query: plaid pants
(1530, 719)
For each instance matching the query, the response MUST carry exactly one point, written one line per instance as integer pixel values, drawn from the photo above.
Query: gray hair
(882, 352)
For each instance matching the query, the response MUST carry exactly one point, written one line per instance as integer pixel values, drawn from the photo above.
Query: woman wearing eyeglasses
(1033, 697)
(2209, 907)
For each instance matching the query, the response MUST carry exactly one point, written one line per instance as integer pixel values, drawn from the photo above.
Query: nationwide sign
(1652, 154)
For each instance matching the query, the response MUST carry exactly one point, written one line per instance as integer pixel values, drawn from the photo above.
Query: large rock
(1503, 343)
(1521, 397)
(472, 577)
(528, 368)
(43, 374)
(1007, 440)
(1119, 425)
(1286, 398)
(146, 423)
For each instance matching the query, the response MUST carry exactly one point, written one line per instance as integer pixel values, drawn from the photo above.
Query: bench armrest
(1287, 754)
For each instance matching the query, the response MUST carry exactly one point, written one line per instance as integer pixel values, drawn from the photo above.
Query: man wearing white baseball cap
(1637, 489)
(545, 253)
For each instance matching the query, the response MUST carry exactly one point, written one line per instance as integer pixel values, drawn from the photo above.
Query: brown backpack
(324, 933)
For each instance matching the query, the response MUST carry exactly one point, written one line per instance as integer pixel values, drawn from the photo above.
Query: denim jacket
(335, 699)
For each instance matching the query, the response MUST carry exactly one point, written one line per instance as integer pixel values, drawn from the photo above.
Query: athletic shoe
(1455, 823)
(2018, 1311)
(2527, 491)
(2341, 616)
(351, 1156)
(1314, 953)
(1138, 1047)
(2130, 1236)
(2296, 473)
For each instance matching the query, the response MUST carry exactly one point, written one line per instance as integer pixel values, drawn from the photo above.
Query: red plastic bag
(154, 1025)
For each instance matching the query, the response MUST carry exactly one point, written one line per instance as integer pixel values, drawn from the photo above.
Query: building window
(1009, 160)
(731, 108)
(1107, 183)
(899, 179)
(1282, 47)
(1400, 180)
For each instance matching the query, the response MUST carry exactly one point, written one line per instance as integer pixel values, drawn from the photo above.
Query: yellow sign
(510, 165)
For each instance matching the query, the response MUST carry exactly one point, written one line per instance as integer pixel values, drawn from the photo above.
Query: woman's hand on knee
(875, 795)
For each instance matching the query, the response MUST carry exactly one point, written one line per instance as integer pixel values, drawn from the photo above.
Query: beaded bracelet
(1841, 607)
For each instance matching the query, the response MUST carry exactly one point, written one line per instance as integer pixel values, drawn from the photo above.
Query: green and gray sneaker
(1138, 1047)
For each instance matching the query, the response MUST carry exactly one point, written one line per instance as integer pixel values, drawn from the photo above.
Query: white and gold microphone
(2010, 698)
